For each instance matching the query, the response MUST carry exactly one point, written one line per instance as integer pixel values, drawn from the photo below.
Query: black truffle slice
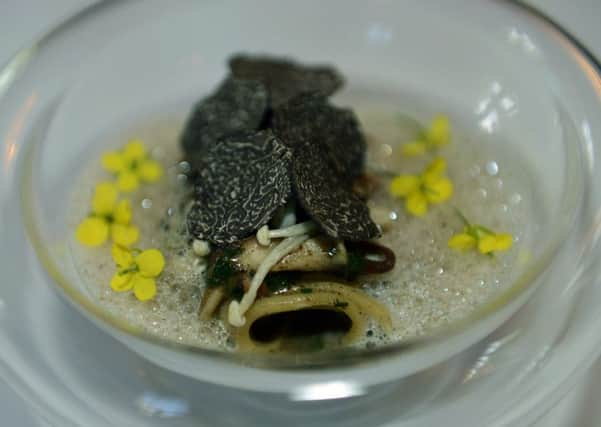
(285, 78)
(327, 198)
(244, 179)
(310, 117)
(237, 106)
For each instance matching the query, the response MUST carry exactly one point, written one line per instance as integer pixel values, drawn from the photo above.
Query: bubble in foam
(492, 168)
(515, 198)
(474, 171)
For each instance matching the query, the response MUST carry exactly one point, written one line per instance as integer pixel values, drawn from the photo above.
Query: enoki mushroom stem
(264, 234)
(237, 309)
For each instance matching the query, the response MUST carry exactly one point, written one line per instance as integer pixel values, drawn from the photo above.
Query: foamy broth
(430, 286)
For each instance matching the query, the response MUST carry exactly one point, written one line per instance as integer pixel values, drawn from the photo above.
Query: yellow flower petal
(150, 262)
(487, 244)
(122, 212)
(436, 168)
(415, 148)
(122, 282)
(127, 181)
(150, 170)
(145, 288)
(438, 190)
(504, 241)
(439, 133)
(113, 161)
(105, 197)
(402, 185)
(122, 256)
(124, 235)
(134, 150)
(462, 242)
(92, 231)
(416, 203)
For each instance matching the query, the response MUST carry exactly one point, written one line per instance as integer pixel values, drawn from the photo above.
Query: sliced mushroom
(315, 254)
(342, 310)
(210, 302)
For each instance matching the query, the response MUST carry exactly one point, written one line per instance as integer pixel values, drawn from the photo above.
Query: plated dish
(272, 219)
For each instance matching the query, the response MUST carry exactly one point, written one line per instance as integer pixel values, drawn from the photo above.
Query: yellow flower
(132, 165)
(495, 243)
(462, 241)
(436, 136)
(486, 240)
(109, 217)
(137, 270)
(430, 187)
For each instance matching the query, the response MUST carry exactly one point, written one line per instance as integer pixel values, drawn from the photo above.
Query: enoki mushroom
(237, 309)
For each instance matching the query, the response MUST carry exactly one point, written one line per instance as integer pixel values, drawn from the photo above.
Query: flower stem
(462, 217)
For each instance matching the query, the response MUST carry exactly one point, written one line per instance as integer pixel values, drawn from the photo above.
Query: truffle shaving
(238, 106)
(243, 180)
(285, 78)
(310, 118)
(327, 198)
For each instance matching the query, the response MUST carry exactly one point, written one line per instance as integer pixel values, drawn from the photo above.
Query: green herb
(223, 269)
(355, 264)
(231, 251)
(340, 304)
(277, 281)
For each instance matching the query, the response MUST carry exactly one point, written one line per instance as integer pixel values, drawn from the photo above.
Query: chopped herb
(277, 281)
(231, 251)
(306, 290)
(223, 269)
(355, 264)
(340, 304)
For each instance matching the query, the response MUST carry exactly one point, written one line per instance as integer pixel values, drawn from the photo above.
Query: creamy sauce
(430, 286)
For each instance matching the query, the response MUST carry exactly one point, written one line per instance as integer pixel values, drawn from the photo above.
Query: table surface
(22, 21)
